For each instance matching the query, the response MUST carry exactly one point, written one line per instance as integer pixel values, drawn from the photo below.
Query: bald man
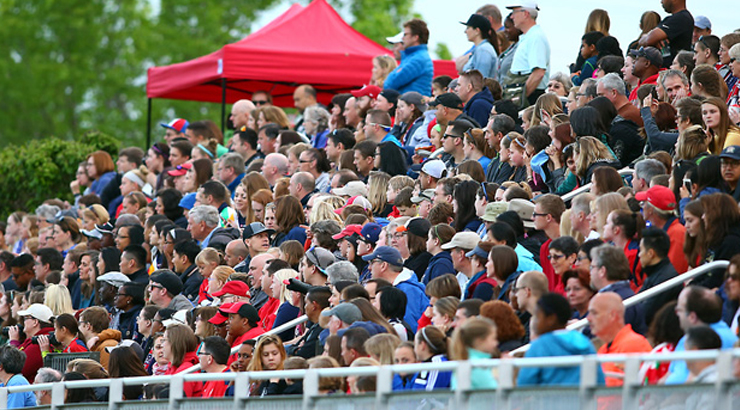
(240, 112)
(275, 167)
(606, 317)
(304, 96)
(235, 254)
(530, 286)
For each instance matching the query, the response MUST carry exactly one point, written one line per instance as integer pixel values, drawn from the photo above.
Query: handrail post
(177, 385)
(506, 383)
(57, 395)
(383, 386)
(241, 390)
(725, 378)
(589, 383)
(115, 393)
(463, 374)
(3, 396)
(310, 388)
(631, 383)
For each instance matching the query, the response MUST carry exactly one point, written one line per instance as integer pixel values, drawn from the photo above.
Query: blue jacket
(416, 295)
(678, 372)
(440, 264)
(479, 106)
(414, 73)
(433, 379)
(587, 71)
(99, 184)
(557, 343)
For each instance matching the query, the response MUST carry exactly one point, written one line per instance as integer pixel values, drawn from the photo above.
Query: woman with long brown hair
(100, 170)
(722, 132)
(269, 354)
(695, 244)
(290, 219)
(180, 344)
(722, 226)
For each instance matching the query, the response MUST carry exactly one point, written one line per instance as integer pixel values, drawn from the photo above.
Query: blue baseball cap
(371, 232)
(477, 251)
(188, 201)
(385, 254)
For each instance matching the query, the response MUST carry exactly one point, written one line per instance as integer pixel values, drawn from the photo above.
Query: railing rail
(567, 197)
(463, 372)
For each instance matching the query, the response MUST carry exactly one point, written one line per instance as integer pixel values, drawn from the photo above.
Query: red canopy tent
(304, 45)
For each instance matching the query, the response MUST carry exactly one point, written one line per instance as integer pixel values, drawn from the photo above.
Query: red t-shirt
(653, 79)
(216, 388)
(77, 346)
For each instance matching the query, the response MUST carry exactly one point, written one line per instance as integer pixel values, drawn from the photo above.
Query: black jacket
(127, 322)
(656, 275)
(308, 346)
(191, 281)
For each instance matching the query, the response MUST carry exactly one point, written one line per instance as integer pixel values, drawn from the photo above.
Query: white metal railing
(640, 297)
(285, 326)
(505, 370)
(567, 197)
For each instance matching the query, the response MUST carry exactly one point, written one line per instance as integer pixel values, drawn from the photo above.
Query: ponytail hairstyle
(631, 223)
(434, 338)
(473, 329)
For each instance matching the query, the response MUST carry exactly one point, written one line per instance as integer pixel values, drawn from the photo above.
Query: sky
(563, 21)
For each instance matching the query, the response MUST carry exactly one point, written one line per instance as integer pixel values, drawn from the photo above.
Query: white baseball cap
(435, 168)
(38, 311)
(524, 4)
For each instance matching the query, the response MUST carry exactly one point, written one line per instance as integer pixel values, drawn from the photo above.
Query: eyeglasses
(535, 214)
(304, 161)
(155, 287)
(260, 102)
(515, 290)
(444, 137)
(556, 257)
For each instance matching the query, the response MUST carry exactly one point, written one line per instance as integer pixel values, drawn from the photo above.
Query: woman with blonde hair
(444, 313)
(382, 66)
(289, 307)
(382, 347)
(219, 277)
(691, 144)
(602, 206)
(327, 385)
(589, 154)
(58, 299)
(269, 354)
(550, 104)
(648, 21)
(324, 207)
(475, 340)
(272, 114)
(95, 214)
(377, 187)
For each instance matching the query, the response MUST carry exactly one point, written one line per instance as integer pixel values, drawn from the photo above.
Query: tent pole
(148, 124)
(223, 105)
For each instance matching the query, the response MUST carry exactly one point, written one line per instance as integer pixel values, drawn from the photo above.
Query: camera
(5, 332)
(52, 339)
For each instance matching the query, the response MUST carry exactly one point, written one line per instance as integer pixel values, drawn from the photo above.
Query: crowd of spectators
(416, 219)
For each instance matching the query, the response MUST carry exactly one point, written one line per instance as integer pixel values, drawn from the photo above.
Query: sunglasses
(260, 102)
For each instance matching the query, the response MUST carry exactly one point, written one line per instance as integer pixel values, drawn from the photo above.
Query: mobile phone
(654, 93)
(687, 184)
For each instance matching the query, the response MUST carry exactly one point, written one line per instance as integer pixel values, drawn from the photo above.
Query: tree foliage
(443, 52)
(377, 19)
(43, 168)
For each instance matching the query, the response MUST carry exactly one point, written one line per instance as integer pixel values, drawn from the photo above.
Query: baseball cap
(416, 226)
(352, 188)
(435, 168)
(346, 312)
(525, 4)
(702, 22)
(95, 234)
(658, 196)
(188, 201)
(356, 200)
(652, 54)
(168, 280)
(524, 209)
(425, 195)
(371, 232)
(221, 315)
(449, 100)
(320, 257)
(178, 124)
(413, 97)
(180, 170)
(255, 228)
(234, 287)
(244, 310)
(731, 152)
(462, 240)
(385, 254)
(398, 38)
(478, 21)
(348, 230)
(116, 279)
(39, 312)
(180, 317)
(106, 228)
(493, 210)
(477, 251)
(371, 91)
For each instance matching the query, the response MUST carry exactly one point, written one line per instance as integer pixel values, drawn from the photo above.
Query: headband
(131, 175)
(206, 150)
(426, 339)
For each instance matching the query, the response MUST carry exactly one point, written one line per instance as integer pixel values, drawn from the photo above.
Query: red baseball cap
(234, 287)
(221, 315)
(371, 91)
(348, 231)
(658, 196)
(180, 170)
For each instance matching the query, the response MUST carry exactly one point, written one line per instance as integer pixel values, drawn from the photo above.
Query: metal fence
(723, 394)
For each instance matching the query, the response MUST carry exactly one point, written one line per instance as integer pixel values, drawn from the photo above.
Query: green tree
(377, 19)
(443, 52)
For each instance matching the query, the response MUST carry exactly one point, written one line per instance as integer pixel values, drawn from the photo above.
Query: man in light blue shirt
(11, 365)
(532, 56)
